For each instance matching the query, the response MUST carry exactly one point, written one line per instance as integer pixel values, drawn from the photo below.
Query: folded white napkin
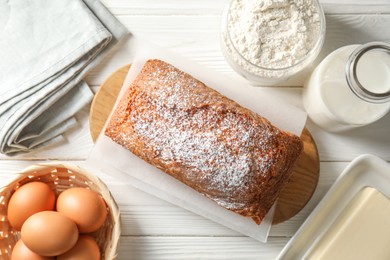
(46, 48)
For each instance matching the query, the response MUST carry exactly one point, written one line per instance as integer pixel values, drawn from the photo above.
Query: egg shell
(49, 233)
(84, 206)
(22, 252)
(86, 248)
(29, 199)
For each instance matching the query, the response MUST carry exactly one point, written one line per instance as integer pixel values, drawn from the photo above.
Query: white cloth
(46, 48)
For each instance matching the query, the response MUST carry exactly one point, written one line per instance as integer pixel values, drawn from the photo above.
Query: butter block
(361, 231)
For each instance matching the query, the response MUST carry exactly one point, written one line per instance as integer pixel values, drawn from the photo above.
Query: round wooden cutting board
(104, 100)
(294, 196)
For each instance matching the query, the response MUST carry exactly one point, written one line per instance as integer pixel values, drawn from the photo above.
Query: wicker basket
(61, 176)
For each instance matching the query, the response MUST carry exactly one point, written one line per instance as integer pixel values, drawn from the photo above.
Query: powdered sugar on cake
(185, 129)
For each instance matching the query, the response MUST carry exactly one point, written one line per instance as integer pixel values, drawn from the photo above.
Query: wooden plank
(197, 38)
(146, 215)
(211, 248)
(373, 139)
(205, 7)
(171, 7)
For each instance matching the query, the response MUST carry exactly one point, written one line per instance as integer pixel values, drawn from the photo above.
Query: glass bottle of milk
(350, 87)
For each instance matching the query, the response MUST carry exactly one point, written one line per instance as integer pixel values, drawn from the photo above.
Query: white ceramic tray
(364, 171)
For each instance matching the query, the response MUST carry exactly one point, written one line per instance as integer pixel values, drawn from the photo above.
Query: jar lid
(368, 72)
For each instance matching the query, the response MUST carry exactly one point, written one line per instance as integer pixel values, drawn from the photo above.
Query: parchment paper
(116, 161)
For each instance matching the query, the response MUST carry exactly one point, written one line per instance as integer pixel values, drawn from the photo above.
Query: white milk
(330, 101)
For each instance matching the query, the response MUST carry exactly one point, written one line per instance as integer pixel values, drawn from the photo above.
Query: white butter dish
(365, 171)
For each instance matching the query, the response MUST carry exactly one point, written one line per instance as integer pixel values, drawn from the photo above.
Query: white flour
(272, 34)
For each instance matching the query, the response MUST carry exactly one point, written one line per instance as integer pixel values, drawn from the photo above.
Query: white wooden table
(154, 229)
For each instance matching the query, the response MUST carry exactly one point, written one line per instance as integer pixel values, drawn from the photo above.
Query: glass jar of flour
(350, 87)
(267, 42)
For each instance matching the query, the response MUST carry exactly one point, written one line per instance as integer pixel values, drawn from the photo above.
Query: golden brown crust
(212, 144)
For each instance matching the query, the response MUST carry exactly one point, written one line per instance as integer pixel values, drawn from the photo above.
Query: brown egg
(22, 252)
(84, 206)
(29, 199)
(86, 248)
(49, 233)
